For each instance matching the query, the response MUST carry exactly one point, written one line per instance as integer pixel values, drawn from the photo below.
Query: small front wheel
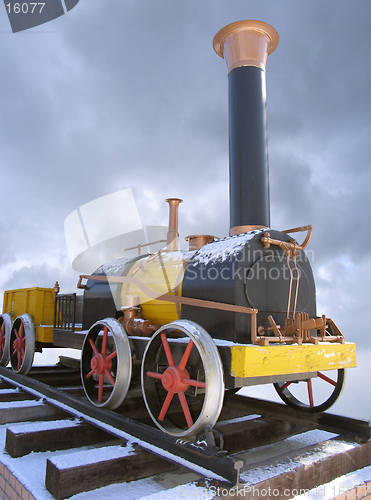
(312, 395)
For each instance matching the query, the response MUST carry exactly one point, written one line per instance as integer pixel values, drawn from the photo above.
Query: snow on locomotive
(184, 327)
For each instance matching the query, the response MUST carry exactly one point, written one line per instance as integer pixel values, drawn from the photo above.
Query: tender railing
(68, 312)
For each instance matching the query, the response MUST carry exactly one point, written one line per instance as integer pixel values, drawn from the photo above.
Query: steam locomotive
(184, 327)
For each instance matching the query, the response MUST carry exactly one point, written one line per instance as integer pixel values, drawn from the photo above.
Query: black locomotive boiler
(185, 326)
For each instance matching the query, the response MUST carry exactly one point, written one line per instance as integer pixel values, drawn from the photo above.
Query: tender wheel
(106, 364)
(300, 395)
(22, 344)
(5, 328)
(181, 359)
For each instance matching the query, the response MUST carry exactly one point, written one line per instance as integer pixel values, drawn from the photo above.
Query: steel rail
(183, 453)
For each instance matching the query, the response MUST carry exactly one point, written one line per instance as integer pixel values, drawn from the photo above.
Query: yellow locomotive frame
(258, 361)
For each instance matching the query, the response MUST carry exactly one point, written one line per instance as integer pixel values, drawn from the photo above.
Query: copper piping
(300, 229)
(133, 324)
(286, 245)
(172, 234)
(290, 288)
(140, 245)
(297, 286)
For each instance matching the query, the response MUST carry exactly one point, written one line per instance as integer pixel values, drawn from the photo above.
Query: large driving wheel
(313, 395)
(22, 344)
(5, 328)
(106, 364)
(182, 379)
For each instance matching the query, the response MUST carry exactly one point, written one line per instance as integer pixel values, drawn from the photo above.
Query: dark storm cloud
(336, 208)
(131, 94)
(134, 91)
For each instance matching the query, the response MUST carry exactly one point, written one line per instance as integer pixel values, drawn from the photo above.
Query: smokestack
(172, 234)
(245, 46)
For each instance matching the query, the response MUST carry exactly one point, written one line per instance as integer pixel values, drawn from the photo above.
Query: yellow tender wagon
(26, 325)
(38, 303)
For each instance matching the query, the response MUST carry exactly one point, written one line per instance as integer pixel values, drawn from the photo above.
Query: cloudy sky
(129, 94)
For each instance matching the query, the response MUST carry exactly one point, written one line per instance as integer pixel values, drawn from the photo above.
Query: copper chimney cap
(246, 43)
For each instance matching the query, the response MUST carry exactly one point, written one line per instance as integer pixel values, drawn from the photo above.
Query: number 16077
(24, 8)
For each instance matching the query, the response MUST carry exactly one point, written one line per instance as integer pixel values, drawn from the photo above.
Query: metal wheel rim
(5, 329)
(121, 365)
(286, 395)
(22, 359)
(213, 374)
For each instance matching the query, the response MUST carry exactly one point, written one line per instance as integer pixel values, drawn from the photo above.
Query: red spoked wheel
(313, 395)
(106, 364)
(5, 328)
(182, 379)
(22, 344)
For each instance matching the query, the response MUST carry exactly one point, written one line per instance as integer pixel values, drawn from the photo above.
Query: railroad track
(255, 445)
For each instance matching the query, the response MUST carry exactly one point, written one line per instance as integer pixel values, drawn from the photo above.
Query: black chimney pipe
(245, 46)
